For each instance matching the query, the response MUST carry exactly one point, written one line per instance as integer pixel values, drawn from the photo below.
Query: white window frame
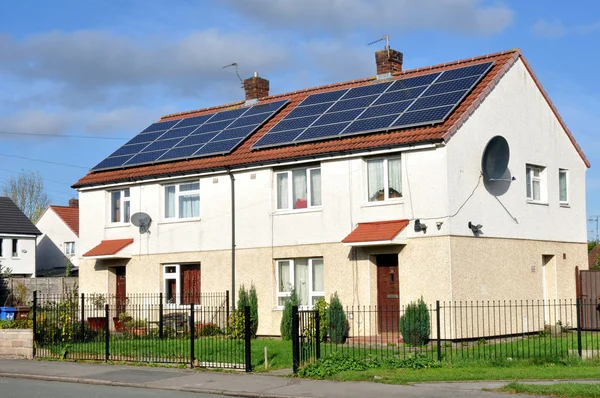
(530, 178)
(386, 179)
(566, 173)
(69, 248)
(14, 249)
(311, 293)
(124, 196)
(1, 248)
(290, 199)
(178, 193)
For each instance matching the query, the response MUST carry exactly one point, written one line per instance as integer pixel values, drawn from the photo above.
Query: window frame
(122, 199)
(290, 188)
(178, 194)
(566, 173)
(70, 245)
(178, 281)
(530, 178)
(1, 247)
(386, 179)
(15, 248)
(311, 292)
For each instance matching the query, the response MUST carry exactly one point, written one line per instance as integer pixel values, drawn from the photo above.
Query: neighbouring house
(453, 182)
(594, 256)
(58, 245)
(17, 240)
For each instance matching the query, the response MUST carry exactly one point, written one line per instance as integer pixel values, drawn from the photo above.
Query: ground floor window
(305, 275)
(182, 283)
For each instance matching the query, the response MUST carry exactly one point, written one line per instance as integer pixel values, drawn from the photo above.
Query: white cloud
(32, 122)
(552, 28)
(470, 17)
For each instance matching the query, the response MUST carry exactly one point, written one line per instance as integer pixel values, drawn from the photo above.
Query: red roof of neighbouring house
(376, 231)
(245, 156)
(593, 256)
(69, 215)
(109, 247)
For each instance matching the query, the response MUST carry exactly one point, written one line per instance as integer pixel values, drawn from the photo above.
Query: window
(69, 247)
(1, 241)
(563, 186)
(182, 283)
(299, 188)
(536, 184)
(120, 209)
(15, 248)
(306, 275)
(182, 200)
(384, 179)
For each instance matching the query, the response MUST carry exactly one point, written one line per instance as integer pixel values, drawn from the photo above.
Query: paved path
(233, 384)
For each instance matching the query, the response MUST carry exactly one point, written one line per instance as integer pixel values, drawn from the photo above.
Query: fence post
(34, 321)
(107, 334)
(295, 340)
(160, 316)
(439, 332)
(192, 335)
(317, 334)
(578, 306)
(248, 338)
(82, 317)
(227, 306)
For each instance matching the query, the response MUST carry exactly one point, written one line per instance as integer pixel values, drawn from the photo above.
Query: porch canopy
(377, 233)
(110, 249)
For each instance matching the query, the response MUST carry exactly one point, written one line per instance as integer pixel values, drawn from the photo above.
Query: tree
(27, 191)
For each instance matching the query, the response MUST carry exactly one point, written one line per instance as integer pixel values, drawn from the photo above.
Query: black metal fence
(206, 332)
(451, 331)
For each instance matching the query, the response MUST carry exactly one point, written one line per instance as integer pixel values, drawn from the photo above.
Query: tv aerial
(494, 162)
(234, 64)
(385, 38)
(142, 221)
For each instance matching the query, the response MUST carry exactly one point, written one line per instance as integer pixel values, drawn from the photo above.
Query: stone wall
(16, 343)
(44, 286)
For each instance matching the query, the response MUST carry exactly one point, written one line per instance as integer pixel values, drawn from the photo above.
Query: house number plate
(392, 296)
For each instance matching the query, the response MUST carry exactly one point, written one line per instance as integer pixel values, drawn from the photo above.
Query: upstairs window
(182, 200)
(303, 274)
(1, 253)
(299, 188)
(69, 248)
(120, 208)
(563, 186)
(15, 248)
(535, 177)
(384, 179)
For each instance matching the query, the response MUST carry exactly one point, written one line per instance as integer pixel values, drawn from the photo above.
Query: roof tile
(376, 231)
(69, 215)
(109, 247)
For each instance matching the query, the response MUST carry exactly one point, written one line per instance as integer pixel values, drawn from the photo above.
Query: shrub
(309, 331)
(337, 323)
(286, 317)
(242, 298)
(207, 329)
(253, 311)
(414, 323)
(236, 325)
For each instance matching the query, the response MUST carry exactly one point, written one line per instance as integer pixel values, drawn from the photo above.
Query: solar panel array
(408, 102)
(211, 134)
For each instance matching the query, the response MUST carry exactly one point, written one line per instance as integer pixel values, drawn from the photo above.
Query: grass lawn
(575, 390)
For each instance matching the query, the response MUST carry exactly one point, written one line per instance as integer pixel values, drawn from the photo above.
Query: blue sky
(103, 70)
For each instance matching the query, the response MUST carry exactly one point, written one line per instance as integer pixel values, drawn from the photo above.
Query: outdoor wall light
(439, 224)
(475, 228)
(420, 227)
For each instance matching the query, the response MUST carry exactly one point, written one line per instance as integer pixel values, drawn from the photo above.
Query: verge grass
(572, 390)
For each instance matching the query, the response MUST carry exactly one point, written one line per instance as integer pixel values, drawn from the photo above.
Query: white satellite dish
(143, 221)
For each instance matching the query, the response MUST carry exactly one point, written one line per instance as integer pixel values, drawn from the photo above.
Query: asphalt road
(22, 388)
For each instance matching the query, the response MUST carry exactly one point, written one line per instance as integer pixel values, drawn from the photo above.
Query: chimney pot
(388, 61)
(256, 87)
(74, 203)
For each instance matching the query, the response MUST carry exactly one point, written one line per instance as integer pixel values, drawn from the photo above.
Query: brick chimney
(256, 87)
(388, 61)
(74, 203)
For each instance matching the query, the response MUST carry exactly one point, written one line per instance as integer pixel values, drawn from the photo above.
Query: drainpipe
(232, 239)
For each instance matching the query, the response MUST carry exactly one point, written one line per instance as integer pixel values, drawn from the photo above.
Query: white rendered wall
(24, 264)
(51, 244)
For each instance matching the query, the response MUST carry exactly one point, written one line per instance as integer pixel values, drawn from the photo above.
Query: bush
(243, 300)
(309, 331)
(253, 311)
(207, 329)
(16, 324)
(286, 317)
(414, 324)
(236, 325)
(337, 323)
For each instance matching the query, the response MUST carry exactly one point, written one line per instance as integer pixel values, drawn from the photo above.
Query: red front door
(121, 290)
(388, 293)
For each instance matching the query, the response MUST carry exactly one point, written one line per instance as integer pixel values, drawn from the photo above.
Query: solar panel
(420, 100)
(215, 133)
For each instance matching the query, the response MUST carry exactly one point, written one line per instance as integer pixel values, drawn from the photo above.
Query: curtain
(536, 190)
(318, 284)
(299, 198)
(285, 284)
(127, 210)
(562, 184)
(170, 201)
(190, 284)
(282, 191)
(528, 181)
(394, 178)
(315, 187)
(375, 180)
(189, 206)
(301, 280)
(116, 206)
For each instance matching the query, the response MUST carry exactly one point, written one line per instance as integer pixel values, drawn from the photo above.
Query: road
(22, 388)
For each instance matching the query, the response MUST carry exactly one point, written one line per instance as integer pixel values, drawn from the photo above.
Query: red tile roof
(244, 155)
(69, 215)
(376, 231)
(593, 256)
(108, 247)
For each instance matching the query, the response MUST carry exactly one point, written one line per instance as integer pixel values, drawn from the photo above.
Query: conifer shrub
(253, 310)
(414, 323)
(337, 323)
(286, 317)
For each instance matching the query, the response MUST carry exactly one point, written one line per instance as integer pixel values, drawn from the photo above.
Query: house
(594, 257)
(17, 240)
(451, 182)
(58, 243)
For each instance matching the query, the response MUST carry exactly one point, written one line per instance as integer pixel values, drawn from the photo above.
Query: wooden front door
(121, 290)
(388, 293)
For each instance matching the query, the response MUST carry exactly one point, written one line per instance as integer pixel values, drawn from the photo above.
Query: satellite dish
(141, 220)
(495, 158)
